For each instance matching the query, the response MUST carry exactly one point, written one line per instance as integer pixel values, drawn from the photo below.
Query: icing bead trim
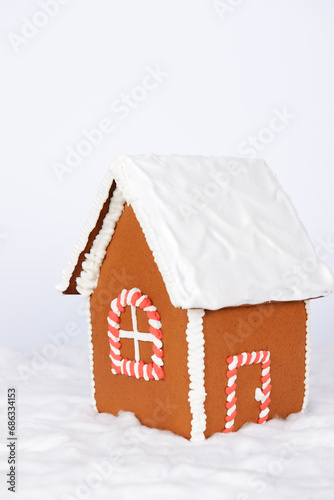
(263, 394)
(91, 349)
(307, 354)
(135, 368)
(197, 394)
(87, 281)
(94, 213)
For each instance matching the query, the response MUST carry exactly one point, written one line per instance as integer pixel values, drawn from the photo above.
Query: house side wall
(163, 404)
(279, 328)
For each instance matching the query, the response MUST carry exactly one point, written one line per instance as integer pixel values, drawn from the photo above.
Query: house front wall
(157, 403)
(279, 328)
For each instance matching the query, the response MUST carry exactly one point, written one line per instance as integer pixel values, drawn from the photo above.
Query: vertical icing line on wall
(91, 349)
(307, 354)
(195, 339)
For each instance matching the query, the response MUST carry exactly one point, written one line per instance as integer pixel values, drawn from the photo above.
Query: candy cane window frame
(135, 368)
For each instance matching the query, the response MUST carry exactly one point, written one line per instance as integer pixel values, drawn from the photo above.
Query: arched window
(135, 368)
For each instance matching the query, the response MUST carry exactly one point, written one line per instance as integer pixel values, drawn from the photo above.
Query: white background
(227, 74)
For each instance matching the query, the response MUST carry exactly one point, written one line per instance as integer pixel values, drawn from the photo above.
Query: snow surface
(68, 451)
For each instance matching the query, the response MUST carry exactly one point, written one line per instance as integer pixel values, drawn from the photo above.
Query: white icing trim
(87, 281)
(95, 211)
(307, 354)
(197, 394)
(91, 349)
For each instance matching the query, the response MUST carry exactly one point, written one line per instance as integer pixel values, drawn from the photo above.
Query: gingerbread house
(197, 274)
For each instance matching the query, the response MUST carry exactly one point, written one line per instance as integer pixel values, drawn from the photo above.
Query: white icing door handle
(258, 394)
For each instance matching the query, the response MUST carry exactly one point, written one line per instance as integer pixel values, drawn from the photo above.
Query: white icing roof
(222, 231)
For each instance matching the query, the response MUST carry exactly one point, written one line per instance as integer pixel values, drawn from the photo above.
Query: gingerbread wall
(279, 328)
(163, 404)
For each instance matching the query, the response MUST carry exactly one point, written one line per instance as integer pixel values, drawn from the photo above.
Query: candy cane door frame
(261, 394)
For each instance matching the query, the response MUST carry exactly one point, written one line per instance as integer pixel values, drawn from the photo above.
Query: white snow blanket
(65, 450)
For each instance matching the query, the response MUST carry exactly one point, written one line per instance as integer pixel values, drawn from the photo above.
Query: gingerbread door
(262, 393)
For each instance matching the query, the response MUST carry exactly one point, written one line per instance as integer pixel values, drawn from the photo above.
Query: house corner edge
(196, 367)
(91, 350)
(307, 355)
